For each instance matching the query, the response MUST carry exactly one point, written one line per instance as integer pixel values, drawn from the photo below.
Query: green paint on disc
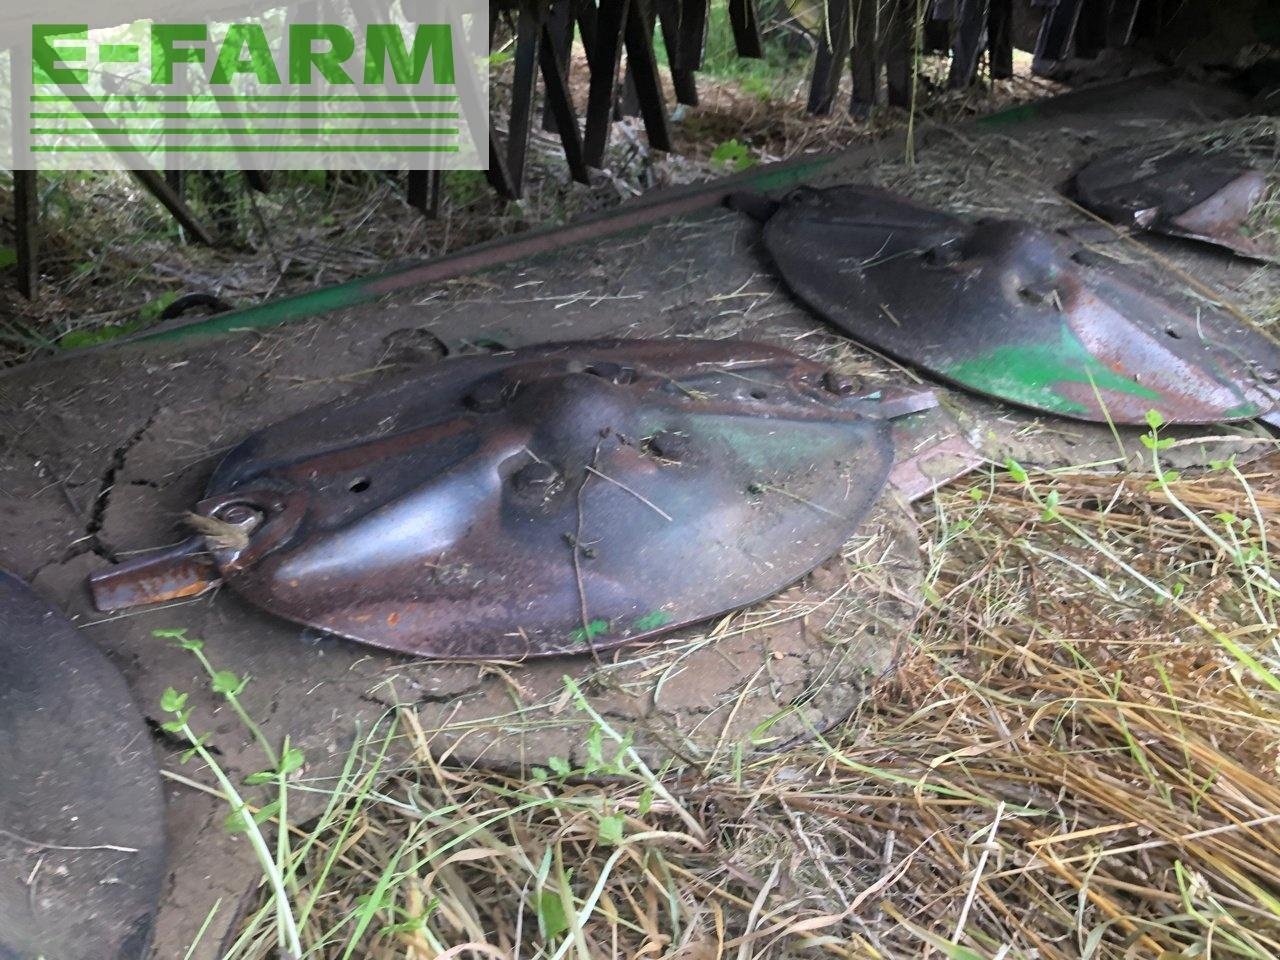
(592, 630)
(1242, 411)
(1029, 374)
(652, 620)
(1018, 114)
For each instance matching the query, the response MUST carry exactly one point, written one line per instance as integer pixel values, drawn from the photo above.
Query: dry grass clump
(1077, 758)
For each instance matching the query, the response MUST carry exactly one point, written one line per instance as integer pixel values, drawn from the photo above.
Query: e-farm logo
(314, 85)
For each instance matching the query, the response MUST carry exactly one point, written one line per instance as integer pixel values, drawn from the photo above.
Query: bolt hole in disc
(758, 395)
(1173, 333)
(359, 485)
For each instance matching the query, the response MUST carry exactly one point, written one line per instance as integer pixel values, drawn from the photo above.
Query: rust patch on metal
(80, 797)
(1182, 193)
(1005, 309)
(930, 450)
(556, 499)
(184, 571)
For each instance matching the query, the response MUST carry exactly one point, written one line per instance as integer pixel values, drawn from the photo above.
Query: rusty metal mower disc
(81, 809)
(1182, 193)
(1007, 310)
(753, 681)
(556, 499)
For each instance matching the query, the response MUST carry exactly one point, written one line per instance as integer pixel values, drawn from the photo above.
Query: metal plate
(1182, 193)
(1010, 311)
(713, 694)
(551, 500)
(81, 809)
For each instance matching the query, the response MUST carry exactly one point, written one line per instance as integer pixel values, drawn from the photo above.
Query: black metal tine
(584, 12)
(423, 190)
(899, 55)
(436, 178)
(937, 26)
(26, 210)
(1120, 22)
(693, 32)
(643, 64)
(1057, 31)
(745, 22)
(1000, 38)
(669, 13)
(969, 37)
(610, 25)
(834, 44)
(559, 37)
(683, 79)
(560, 103)
(529, 33)
(1092, 28)
(469, 100)
(864, 65)
(26, 228)
(628, 101)
(498, 175)
(155, 185)
(417, 190)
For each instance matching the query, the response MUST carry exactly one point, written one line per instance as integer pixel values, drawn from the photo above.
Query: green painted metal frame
(640, 213)
(644, 211)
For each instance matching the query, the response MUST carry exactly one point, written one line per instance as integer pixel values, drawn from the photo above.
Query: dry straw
(1067, 763)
